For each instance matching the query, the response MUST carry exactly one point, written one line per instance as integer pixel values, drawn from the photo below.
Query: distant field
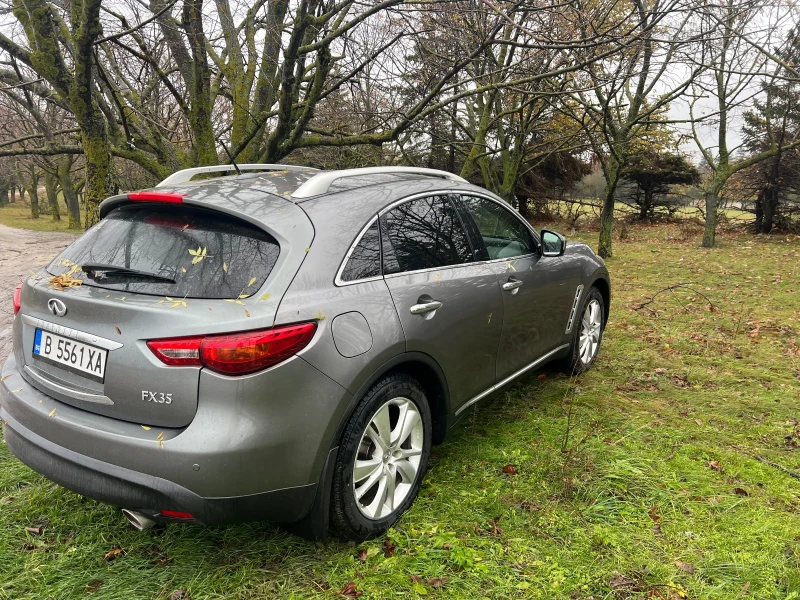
(18, 214)
(663, 473)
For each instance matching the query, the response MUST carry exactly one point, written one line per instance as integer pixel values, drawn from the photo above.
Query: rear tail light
(235, 353)
(17, 298)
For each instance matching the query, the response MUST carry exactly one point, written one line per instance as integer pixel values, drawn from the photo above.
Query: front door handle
(512, 284)
(425, 307)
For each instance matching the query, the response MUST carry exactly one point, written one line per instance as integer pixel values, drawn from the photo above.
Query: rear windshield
(205, 253)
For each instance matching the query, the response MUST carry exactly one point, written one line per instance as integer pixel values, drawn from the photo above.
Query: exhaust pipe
(137, 519)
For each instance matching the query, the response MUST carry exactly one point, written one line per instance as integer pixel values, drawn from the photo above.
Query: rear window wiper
(104, 270)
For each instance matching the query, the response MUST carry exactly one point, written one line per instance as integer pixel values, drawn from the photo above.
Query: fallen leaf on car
(145, 427)
(252, 281)
(5, 377)
(684, 566)
(118, 331)
(16, 390)
(246, 312)
(160, 439)
(53, 413)
(510, 470)
(350, 591)
(388, 548)
(266, 296)
(112, 554)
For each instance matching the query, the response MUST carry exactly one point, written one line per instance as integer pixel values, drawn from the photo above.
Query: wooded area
(547, 104)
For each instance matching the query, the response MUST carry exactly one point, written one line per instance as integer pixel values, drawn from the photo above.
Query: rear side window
(423, 234)
(365, 260)
(205, 253)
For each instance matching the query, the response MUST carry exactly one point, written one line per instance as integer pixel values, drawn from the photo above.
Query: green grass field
(644, 478)
(18, 215)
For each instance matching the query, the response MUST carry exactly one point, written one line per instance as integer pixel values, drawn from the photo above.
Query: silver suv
(285, 344)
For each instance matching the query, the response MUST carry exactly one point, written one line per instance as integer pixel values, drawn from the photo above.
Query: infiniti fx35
(285, 344)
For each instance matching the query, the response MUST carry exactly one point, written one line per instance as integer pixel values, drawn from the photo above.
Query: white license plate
(69, 354)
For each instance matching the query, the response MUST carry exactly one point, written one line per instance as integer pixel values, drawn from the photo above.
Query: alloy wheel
(388, 458)
(591, 327)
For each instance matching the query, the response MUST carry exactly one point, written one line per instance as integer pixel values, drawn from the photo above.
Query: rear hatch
(154, 270)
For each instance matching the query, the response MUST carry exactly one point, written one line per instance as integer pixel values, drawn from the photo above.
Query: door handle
(512, 284)
(425, 307)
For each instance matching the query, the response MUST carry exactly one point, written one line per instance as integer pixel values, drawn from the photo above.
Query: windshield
(206, 254)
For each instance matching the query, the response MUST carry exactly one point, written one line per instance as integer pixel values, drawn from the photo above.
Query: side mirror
(553, 244)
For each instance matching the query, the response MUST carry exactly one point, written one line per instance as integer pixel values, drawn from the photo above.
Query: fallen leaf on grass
(388, 548)
(714, 464)
(622, 585)
(362, 555)
(416, 578)
(510, 470)
(741, 491)
(179, 595)
(112, 554)
(34, 530)
(698, 421)
(437, 582)
(653, 512)
(350, 591)
(542, 376)
(685, 567)
(496, 529)
(93, 586)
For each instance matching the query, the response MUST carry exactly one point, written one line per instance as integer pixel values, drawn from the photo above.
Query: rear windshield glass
(139, 248)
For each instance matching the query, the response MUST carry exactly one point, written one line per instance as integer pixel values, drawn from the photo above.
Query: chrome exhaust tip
(137, 519)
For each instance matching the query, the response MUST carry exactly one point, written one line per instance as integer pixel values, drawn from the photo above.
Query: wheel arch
(604, 288)
(430, 376)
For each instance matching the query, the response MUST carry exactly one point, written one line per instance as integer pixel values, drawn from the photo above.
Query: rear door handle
(424, 307)
(512, 284)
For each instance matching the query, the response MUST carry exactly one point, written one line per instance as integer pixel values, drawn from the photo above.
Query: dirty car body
(226, 332)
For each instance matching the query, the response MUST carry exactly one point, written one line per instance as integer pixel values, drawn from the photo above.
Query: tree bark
(607, 213)
(710, 231)
(70, 197)
(50, 186)
(33, 192)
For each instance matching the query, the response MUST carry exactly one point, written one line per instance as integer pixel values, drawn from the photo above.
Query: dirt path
(21, 253)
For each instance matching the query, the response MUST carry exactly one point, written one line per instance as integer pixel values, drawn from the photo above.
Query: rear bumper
(126, 488)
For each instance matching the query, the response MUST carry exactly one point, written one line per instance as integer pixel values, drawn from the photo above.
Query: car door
(535, 291)
(449, 305)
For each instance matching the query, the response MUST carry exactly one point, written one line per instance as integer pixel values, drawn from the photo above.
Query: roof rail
(185, 175)
(320, 182)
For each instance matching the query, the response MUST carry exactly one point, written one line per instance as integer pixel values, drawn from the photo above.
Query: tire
(576, 361)
(357, 512)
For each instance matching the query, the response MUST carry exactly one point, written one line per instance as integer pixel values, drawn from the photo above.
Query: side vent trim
(575, 302)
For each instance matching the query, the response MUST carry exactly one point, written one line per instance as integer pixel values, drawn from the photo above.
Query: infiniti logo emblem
(57, 307)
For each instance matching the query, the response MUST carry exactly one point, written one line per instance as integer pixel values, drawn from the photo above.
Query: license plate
(71, 355)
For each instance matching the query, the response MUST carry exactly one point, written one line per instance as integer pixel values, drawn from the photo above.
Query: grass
(656, 492)
(18, 215)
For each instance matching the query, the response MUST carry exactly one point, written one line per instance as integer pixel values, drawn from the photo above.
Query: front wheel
(382, 458)
(588, 333)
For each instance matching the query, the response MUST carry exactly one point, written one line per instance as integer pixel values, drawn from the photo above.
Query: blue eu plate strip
(37, 342)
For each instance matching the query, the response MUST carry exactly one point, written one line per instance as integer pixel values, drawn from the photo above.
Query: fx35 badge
(157, 397)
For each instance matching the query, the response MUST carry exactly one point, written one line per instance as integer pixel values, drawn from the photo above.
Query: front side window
(423, 234)
(504, 235)
(365, 260)
(171, 251)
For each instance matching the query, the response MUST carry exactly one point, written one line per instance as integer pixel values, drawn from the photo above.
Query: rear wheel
(382, 458)
(587, 333)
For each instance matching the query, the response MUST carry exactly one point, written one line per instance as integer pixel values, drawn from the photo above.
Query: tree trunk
(646, 205)
(759, 225)
(13, 194)
(70, 197)
(523, 207)
(33, 192)
(607, 214)
(3, 194)
(770, 208)
(710, 232)
(50, 186)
